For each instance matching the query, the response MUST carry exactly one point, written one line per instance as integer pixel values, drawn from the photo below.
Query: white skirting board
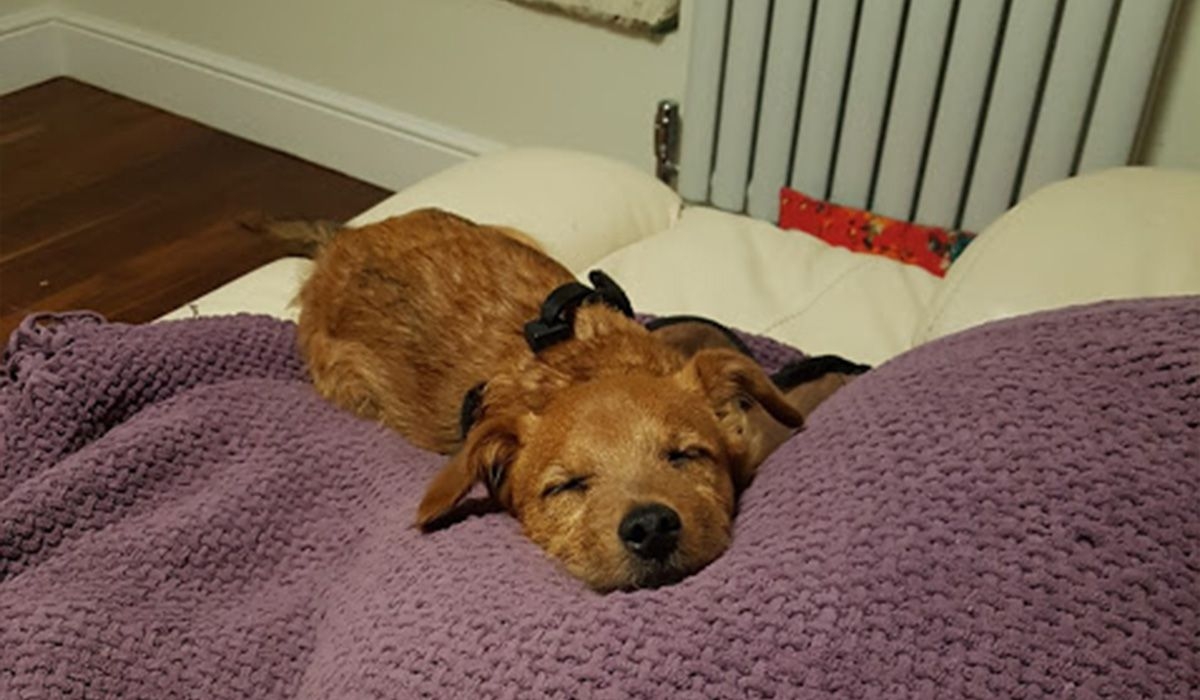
(382, 146)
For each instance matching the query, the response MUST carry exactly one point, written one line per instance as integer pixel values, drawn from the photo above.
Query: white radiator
(943, 112)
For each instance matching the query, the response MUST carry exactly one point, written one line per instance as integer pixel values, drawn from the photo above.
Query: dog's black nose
(650, 531)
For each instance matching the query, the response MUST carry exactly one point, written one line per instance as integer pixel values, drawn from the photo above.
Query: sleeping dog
(620, 453)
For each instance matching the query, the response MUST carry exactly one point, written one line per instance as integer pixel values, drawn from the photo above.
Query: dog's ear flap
(733, 381)
(740, 393)
(490, 448)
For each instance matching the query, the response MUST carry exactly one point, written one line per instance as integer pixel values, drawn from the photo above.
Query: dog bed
(1013, 511)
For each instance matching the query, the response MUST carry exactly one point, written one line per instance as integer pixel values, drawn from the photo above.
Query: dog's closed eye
(576, 483)
(681, 457)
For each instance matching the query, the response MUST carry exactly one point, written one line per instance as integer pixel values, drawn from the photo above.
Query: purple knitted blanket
(1010, 512)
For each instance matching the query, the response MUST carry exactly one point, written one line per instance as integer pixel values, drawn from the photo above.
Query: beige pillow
(1115, 234)
(579, 206)
(787, 285)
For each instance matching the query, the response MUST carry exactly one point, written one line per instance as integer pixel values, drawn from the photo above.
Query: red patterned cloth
(862, 231)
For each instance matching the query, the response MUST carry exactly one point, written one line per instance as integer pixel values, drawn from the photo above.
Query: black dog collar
(555, 323)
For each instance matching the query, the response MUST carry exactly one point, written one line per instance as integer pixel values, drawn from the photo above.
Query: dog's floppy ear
(733, 381)
(491, 447)
(734, 385)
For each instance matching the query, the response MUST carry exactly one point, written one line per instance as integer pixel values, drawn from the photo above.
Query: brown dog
(619, 454)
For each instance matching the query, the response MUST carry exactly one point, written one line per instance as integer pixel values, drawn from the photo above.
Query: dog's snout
(650, 531)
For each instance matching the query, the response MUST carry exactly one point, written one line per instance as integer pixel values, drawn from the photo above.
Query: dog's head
(630, 479)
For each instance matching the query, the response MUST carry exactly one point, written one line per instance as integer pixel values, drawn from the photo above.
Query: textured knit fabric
(1009, 512)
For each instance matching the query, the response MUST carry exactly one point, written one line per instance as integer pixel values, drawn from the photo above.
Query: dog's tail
(298, 237)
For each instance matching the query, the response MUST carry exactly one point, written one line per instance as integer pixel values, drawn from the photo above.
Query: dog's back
(401, 318)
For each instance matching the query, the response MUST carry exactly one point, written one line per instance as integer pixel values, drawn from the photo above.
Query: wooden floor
(111, 205)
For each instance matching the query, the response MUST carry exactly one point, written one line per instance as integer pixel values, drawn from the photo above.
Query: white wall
(488, 67)
(1173, 130)
(14, 6)
(513, 75)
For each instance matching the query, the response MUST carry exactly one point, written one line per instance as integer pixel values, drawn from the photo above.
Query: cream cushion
(785, 284)
(579, 206)
(1115, 234)
(269, 290)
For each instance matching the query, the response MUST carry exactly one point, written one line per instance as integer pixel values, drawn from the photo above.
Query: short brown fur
(399, 319)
